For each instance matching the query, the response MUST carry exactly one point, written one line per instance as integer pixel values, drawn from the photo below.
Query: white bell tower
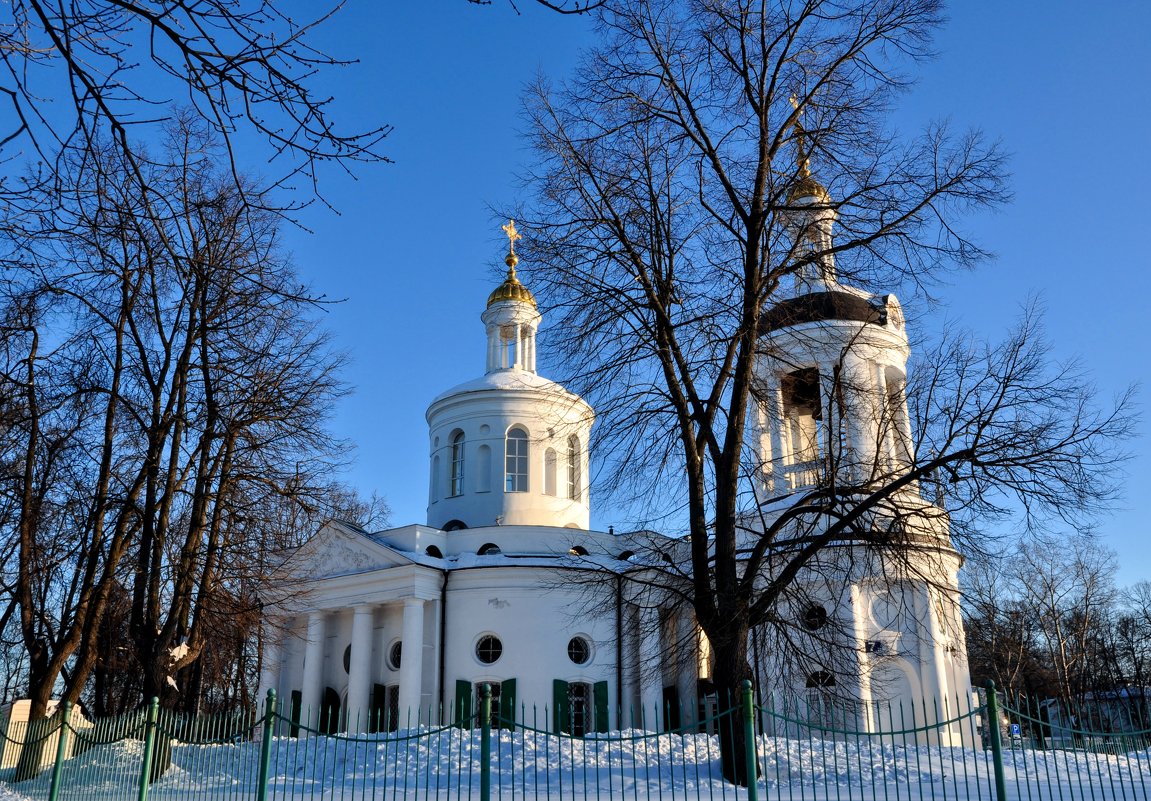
(832, 412)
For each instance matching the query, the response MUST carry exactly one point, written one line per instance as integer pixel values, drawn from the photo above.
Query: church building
(506, 583)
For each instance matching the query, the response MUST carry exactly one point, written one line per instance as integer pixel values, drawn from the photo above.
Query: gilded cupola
(511, 288)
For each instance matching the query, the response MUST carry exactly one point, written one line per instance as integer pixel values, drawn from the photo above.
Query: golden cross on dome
(802, 162)
(513, 235)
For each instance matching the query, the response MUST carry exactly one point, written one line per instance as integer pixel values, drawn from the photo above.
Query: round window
(394, 654)
(579, 650)
(489, 649)
(814, 618)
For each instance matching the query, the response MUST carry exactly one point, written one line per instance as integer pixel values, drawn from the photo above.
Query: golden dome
(511, 288)
(807, 186)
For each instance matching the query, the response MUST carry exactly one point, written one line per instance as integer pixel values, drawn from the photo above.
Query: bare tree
(677, 200)
(246, 68)
(1069, 590)
(180, 401)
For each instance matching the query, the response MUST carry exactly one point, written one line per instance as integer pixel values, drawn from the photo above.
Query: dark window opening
(814, 618)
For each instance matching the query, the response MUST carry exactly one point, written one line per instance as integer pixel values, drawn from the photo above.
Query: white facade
(507, 585)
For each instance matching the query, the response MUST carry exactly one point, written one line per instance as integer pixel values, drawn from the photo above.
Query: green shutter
(599, 693)
(507, 710)
(561, 715)
(463, 710)
(294, 713)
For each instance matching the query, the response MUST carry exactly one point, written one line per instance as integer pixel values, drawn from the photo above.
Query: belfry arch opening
(802, 414)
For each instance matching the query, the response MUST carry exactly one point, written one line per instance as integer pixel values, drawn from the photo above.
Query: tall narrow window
(516, 461)
(550, 472)
(483, 469)
(573, 468)
(457, 482)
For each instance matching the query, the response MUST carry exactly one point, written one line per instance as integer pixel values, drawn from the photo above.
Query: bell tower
(831, 413)
(833, 367)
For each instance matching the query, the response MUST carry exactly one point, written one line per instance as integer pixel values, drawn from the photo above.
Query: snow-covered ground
(634, 766)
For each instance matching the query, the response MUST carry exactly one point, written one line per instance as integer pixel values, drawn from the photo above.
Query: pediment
(339, 550)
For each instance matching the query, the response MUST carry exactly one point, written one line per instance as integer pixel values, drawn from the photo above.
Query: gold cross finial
(802, 162)
(513, 235)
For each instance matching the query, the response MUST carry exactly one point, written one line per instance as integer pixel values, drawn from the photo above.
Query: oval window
(815, 617)
(579, 650)
(489, 649)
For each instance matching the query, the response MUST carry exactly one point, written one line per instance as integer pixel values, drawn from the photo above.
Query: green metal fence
(810, 750)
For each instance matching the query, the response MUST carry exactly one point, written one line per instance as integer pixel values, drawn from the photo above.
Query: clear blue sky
(1065, 85)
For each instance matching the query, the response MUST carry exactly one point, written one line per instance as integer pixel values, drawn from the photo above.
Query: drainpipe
(619, 645)
(443, 636)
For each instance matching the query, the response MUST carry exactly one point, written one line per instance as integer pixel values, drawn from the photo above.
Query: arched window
(488, 549)
(822, 709)
(577, 550)
(456, 487)
(573, 468)
(432, 550)
(516, 461)
(550, 472)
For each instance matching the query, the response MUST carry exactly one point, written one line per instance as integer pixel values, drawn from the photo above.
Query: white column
(939, 645)
(858, 606)
(412, 660)
(860, 420)
(884, 455)
(650, 668)
(775, 425)
(360, 668)
(311, 691)
(271, 647)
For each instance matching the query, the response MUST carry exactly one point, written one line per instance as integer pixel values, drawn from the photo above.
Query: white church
(382, 630)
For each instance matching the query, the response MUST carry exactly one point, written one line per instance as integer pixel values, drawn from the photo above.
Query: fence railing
(811, 750)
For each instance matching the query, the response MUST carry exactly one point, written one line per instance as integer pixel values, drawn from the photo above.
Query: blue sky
(1066, 86)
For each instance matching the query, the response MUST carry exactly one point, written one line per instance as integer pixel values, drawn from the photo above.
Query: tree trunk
(730, 670)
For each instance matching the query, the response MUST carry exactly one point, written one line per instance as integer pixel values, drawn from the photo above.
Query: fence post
(752, 758)
(149, 746)
(486, 742)
(266, 745)
(996, 738)
(61, 747)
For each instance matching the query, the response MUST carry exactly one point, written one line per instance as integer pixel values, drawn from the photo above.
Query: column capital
(414, 602)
